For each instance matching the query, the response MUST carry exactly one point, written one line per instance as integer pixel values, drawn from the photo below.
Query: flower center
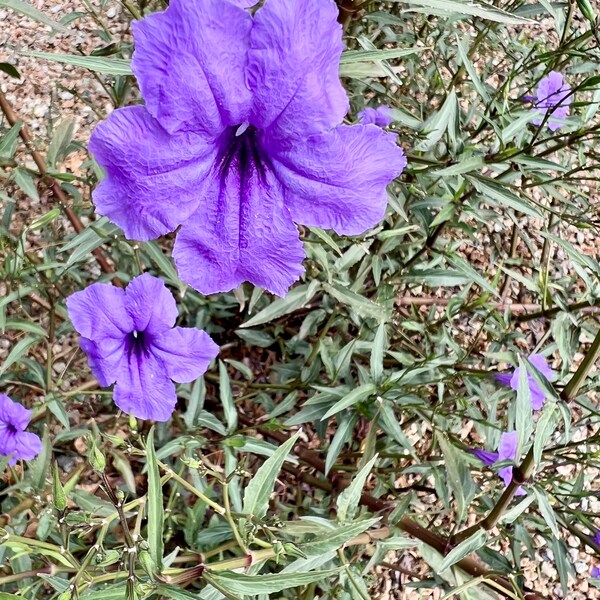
(242, 151)
(11, 429)
(137, 343)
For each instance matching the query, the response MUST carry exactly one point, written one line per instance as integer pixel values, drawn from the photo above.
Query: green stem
(190, 488)
(570, 390)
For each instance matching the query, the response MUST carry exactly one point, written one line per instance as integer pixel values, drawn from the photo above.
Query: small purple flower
(537, 395)
(554, 96)
(130, 338)
(381, 116)
(239, 139)
(595, 572)
(596, 537)
(15, 442)
(507, 450)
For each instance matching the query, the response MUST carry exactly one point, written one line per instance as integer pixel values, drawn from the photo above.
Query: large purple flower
(15, 442)
(537, 394)
(240, 137)
(130, 339)
(554, 98)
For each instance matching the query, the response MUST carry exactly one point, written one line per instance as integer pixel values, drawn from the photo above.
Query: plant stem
(188, 486)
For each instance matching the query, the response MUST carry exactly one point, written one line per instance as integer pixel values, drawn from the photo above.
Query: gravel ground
(49, 92)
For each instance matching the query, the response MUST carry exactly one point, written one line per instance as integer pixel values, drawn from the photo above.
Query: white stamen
(241, 129)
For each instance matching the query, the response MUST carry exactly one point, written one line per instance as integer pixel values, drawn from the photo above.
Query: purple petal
(486, 457)
(293, 63)
(541, 364)
(337, 180)
(596, 537)
(595, 572)
(13, 413)
(185, 353)
(243, 232)
(98, 312)
(143, 388)
(552, 91)
(243, 3)
(514, 380)
(190, 63)
(27, 445)
(504, 378)
(104, 358)
(537, 395)
(154, 180)
(381, 116)
(150, 304)
(507, 450)
(506, 474)
(555, 96)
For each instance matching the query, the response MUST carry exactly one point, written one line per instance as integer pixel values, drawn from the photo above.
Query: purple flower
(596, 537)
(537, 395)
(507, 450)
(239, 139)
(381, 116)
(14, 440)
(130, 338)
(595, 572)
(554, 96)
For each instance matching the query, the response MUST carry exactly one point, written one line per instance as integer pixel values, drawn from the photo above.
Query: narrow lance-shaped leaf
(348, 500)
(156, 514)
(258, 491)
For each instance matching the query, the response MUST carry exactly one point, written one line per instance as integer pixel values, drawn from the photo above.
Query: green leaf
(19, 350)
(342, 436)
(362, 392)
(63, 134)
(360, 305)
(29, 11)
(353, 56)
(476, 541)
(266, 584)
(547, 511)
(523, 410)
(377, 352)
(473, 9)
(156, 514)
(8, 142)
(226, 396)
(494, 193)
(175, 593)
(337, 537)
(544, 429)
(258, 491)
(512, 514)
(454, 467)
(294, 300)
(349, 499)
(88, 240)
(437, 277)
(26, 183)
(109, 66)
(441, 121)
(10, 70)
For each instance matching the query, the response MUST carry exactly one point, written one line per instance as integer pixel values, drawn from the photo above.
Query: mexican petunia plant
(240, 138)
